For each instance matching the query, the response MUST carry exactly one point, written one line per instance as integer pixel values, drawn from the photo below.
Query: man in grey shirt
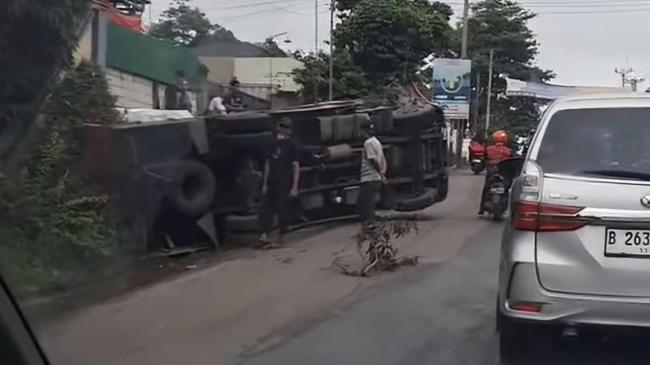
(373, 171)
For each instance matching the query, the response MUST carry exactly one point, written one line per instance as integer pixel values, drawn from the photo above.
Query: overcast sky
(582, 48)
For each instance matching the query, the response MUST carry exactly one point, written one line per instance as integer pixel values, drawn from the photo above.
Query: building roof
(229, 48)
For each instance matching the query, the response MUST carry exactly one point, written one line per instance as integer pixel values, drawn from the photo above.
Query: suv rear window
(610, 142)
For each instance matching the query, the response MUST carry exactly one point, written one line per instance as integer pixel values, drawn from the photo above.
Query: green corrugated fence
(154, 59)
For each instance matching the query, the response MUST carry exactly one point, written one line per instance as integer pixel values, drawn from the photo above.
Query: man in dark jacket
(281, 179)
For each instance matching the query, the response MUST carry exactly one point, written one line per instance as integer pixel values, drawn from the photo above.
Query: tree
(502, 25)
(55, 228)
(379, 45)
(273, 48)
(388, 39)
(349, 82)
(185, 25)
(37, 38)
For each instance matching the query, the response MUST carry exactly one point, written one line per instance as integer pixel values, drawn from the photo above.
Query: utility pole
(461, 123)
(477, 99)
(623, 72)
(316, 49)
(489, 94)
(331, 78)
(463, 51)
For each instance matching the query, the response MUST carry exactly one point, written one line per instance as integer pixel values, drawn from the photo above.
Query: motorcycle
(499, 183)
(476, 157)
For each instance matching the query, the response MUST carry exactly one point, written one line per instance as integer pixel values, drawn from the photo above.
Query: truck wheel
(418, 202)
(443, 188)
(192, 189)
(420, 119)
(243, 223)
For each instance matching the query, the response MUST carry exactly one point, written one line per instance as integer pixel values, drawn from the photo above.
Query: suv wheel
(513, 341)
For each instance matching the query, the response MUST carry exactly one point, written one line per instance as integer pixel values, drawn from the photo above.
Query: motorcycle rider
(496, 152)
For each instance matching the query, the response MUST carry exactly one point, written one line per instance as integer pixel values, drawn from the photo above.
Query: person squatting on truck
(496, 152)
(280, 183)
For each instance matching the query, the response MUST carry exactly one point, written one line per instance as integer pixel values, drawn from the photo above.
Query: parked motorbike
(476, 157)
(499, 183)
(477, 164)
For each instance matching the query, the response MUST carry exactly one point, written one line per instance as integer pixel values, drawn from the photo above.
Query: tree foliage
(273, 48)
(53, 219)
(37, 38)
(379, 46)
(185, 25)
(349, 82)
(502, 25)
(388, 39)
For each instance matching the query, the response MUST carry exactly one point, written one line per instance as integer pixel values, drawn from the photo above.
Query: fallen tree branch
(375, 246)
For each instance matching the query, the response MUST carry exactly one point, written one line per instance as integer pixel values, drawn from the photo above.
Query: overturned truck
(180, 182)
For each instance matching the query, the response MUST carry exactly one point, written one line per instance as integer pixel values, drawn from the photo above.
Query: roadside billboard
(452, 86)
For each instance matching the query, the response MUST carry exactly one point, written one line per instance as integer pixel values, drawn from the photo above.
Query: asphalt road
(291, 306)
(439, 315)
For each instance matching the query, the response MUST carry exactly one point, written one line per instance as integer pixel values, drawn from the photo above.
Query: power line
(617, 11)
(282, 9)
(252, 5)
(240, 17)
(271, 9)
(574, 4)
(259, 3)
(598, 7)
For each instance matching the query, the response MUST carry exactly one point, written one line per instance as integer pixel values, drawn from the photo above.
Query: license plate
(627, 242)
(499, 190)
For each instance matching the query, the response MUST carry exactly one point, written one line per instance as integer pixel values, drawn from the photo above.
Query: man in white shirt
(216, 106)
(373, 174)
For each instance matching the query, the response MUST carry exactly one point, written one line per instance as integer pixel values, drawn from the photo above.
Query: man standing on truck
(280, 182)
(373, 173)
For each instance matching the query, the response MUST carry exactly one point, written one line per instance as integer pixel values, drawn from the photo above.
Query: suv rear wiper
(619, 173)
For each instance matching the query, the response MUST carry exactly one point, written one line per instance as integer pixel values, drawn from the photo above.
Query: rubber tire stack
(202, 197)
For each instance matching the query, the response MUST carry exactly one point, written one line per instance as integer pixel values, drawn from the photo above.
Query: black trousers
(368, 192)
(275, 202)
(489, 171)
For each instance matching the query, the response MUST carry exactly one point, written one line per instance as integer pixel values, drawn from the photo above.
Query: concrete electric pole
(463, 51)
(316, 76)
(623, 72)
(489, 93)
(331, 65)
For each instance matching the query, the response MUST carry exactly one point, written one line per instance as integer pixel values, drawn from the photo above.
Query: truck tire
(192, 188)
(443, 188)
(418, 202)
(421, 119)
(242, 223)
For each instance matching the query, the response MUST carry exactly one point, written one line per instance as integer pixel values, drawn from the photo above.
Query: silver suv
(576, 249)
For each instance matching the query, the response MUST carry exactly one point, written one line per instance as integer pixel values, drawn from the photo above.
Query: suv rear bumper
(568, 309)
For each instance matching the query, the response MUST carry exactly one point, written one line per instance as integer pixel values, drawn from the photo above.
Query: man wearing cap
(280, 183)
(373, 171)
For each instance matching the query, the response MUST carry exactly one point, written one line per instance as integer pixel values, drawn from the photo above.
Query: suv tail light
(541, 217)
(529, 214)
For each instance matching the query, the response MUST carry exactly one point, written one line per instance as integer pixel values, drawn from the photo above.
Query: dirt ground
(220, 312)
